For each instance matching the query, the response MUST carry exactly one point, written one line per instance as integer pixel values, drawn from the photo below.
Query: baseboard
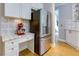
(31, 50)
(75, 47)
(62, 40)
(54, 43)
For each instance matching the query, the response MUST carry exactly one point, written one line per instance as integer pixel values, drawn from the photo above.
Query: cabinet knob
(70, 31)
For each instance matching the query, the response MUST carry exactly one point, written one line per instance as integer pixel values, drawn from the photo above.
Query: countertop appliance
(42, 40)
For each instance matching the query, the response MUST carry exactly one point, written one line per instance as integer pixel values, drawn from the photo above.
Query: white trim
(62, 40)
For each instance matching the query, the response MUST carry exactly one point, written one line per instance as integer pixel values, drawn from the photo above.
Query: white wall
(10, 25)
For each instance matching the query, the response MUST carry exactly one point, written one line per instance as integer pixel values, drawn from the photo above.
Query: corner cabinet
(18, 10)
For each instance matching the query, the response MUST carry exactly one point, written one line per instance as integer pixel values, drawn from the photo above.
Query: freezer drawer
(44, 45)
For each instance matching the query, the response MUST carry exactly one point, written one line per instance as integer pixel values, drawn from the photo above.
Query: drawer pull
(12, 48)
(12, 42)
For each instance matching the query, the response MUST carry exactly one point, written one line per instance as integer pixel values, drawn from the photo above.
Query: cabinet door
(1, 9)
(77, 26)
(71, 38)
(26, 11)
(12, 9)
(11, 48)
(12, 51)
(78, 39)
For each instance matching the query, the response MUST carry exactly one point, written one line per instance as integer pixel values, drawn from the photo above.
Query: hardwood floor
(62, 49)
(26, 52)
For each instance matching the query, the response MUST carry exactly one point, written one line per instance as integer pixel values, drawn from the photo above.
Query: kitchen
(17, 31)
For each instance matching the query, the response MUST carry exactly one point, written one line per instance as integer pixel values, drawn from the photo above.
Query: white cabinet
(72, 38)
(19, 10)
(77, 26)
(77, 40)
(11, 45)
(12, 9)
(36, 6)
(26, 11)
(1, 9)
(11, 48)
(12, 51)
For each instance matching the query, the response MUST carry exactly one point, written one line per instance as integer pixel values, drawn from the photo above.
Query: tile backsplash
(9, 25)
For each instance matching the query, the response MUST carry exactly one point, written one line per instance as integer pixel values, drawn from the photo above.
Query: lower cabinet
(72, 38)
(10, 48)
(12, 51)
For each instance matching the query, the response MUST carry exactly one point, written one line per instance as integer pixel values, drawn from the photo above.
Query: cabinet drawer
(31, 37)
(13, 51)
(11, 43)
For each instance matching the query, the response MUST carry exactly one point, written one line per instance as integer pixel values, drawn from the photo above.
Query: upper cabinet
(12, 9)
(18, 10)
(21, 10)
(36, 6)
(26, 11)
(1, 9)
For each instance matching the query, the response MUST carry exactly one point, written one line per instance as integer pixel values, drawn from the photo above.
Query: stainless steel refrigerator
(39, 25)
